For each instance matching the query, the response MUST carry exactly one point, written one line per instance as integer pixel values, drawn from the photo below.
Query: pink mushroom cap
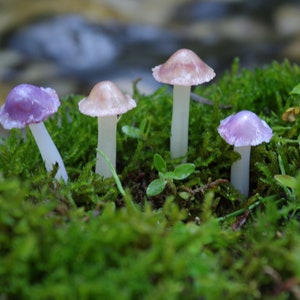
(106, 99)
(183, 68)
(244, 129)
(27, 104)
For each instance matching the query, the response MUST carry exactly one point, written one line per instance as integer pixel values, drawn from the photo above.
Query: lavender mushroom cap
(184, 68)
(106, 99)
(27, 104)
(244, 129)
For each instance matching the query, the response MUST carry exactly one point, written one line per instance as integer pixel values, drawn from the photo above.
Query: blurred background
(70, 45)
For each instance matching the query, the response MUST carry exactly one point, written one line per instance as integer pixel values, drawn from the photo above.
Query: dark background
(71, 45)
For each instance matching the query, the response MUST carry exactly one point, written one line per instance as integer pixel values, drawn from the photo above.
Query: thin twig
(203, 100)
(207, 186)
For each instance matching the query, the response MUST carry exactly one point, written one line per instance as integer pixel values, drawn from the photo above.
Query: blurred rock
(73, 47)
(234, 28)
(8, 60)
(197, 11)
(15, 13)
(70, 41)
(292, 49)
(287, 20)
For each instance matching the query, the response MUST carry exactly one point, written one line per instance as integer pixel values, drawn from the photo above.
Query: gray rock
(71, 41)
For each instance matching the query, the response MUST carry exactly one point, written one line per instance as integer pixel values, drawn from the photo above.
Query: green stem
(114, 173)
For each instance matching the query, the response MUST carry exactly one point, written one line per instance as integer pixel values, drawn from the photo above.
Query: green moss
(200, 240)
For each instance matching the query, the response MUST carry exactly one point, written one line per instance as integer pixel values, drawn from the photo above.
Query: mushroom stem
(48, 150)
(180, 120)
(107, 127)
(240, 170)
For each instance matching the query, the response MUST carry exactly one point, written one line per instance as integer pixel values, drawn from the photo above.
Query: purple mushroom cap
(244, 129)
(27, 104)
(183, 68)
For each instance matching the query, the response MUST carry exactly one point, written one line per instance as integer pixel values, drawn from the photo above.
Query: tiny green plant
(286, 181)
(290, 185)
(113, 171)
(296, 90)
(166, 177)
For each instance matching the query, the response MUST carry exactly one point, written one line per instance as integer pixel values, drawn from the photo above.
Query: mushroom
(182, 70)
(243, 130)
(30, 105)
(106, 101)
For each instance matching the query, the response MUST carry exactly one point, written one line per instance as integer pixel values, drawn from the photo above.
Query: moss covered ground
(197, 239)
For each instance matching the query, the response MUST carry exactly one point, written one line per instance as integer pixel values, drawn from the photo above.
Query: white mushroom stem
(48, 150)
(180, 121)
(107, 127)
(240, 170)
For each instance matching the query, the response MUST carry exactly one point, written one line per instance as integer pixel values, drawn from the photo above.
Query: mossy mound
(197, 240)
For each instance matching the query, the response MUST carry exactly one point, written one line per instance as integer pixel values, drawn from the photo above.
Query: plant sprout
(166, 177)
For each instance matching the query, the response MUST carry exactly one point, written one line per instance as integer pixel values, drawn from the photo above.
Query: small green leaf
(183, 171)
(286, 180)
(131, 131)
(296, 89)
(156, 187)
(184, 195)
(168, 175)
(159, 163)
